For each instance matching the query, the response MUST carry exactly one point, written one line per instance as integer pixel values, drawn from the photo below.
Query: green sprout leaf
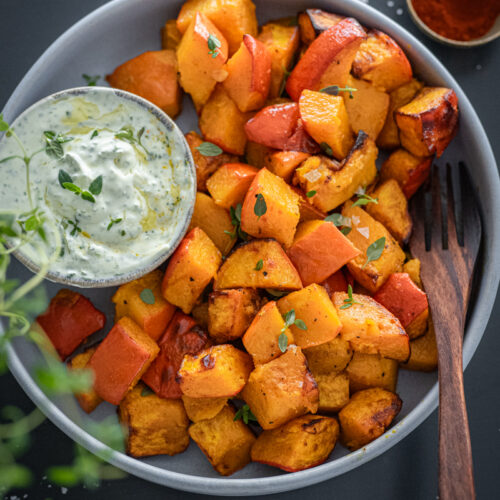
(374, 251)
(259, 265)
(70, 186)
(213, 45)
(300, 324)
(147, 296)
(4, 126)
(96, 185)
(364, 199)
(289, 318)
(311, 193)
(245, 414)
(88, 196)
(54, 142)
(260, 207)
(113, 222)
(283, 342)
(64, 177)
(326, 149)
(95, 133)
(209, 149)
(335, 89)
(91, 81)
(350, 300)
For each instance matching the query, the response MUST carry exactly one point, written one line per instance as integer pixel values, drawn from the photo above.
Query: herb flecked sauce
(144, 193)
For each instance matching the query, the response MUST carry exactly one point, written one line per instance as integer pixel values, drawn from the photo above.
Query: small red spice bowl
(492, 34)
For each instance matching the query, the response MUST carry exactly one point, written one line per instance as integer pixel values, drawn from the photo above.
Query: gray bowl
(124, 28)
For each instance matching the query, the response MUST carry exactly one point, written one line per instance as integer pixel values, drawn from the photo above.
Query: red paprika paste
(458, 19)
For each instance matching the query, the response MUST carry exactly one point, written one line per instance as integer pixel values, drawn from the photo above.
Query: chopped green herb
(259, 265)
(113, 222)
(350, 300)
(346, 230)
(147, 296)
(260, 207)
(236, 222)
(126, 134)
(245, 414)
(88, 197)
(363, 198)
(209, 149)
(311, 193)
(91, 81)
(335, 89)
(283, 342)
(64, 177)
(374, 251)
(290, 320)
(96, 185)
(339, 220)
(54, 142)
(95, 133)
(213, 45)
(76, 228)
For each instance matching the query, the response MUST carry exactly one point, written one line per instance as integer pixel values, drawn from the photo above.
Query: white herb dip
(134, 186)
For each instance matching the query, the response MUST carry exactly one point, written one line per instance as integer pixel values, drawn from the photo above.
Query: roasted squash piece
(333, 391)
(412, 267)
(198, 409)
(249, 75)
(153, 76)
(69, 320)
(365, 232)
(200, 314)
(216, 372)
(281, 390)
(428, 123)
(284, 163)
(222, 123)
(371, 370)
(229, 184)
(424, 352)
(261, 340)
(391, 210)
(410, 171)
(257, 154)
(312, 22)
(330, 357)
(282, 43)
(199, 70)
(328, 60)
(371, 328)
(226, 442)
(313, 306)
(121, 359)
(326, 120)
(337, 282)
(333, 183)
(367, 416)
(88, 400)
(205, 165)
(230, 313)
(234, 18)
(239, 269)
(402, 297)
(214, 220)
(152, 316)
(280, 208)
(170, 35)
(318, 250)
(389, 135)
(155, 426)
(381, 61)
(300, 444)
(183, 336)
(307, 210)
(190, 269)
(367, 108)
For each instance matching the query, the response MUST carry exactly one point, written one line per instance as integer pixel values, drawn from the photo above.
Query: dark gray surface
(406, 471)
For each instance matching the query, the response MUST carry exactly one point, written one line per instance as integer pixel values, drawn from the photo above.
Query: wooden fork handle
(456, 480)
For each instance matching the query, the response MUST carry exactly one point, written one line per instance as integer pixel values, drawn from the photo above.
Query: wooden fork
(446, 237)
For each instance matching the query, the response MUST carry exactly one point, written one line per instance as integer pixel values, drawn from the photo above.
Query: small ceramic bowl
(183, 214)
(493, 34)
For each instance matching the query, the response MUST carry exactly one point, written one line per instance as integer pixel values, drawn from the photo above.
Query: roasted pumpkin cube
(313, 306)
(121, 359)
(222, 123)
(428, 123)
(412, 267)
(240, 268)
(281, 390)
(226, 442)
(234, 18)
(182, 336)
(205, 165)
(257, 154)
(333, 391)
(391, 210)
(200, 68)
(408, 170)
(249, 74)
(401, 296)
(371, 370)
(200, 314)
(155, 426)
(230, 313)
(69, 320)
(261, 340)
(216, 372)
(319, 249)
(299, 444)
(229, 184)
(153, 314)
(333, 183)
(190, 269)
(330, 357)
(366, 108)
(381, 61)
(153, 76)
(270, 208)
(307, 210)
(170, 35)
(198, 409)
(282, 43)
(365, 232)
(337, 282)
(88, 400)
(371, 328)
(367, 416)
(284, 163)
(326, 120)
(312, 22)
(423, 352)
(215, 222)
(389, 135)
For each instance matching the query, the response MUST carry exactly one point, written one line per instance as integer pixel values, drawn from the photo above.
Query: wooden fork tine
(470, 213)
